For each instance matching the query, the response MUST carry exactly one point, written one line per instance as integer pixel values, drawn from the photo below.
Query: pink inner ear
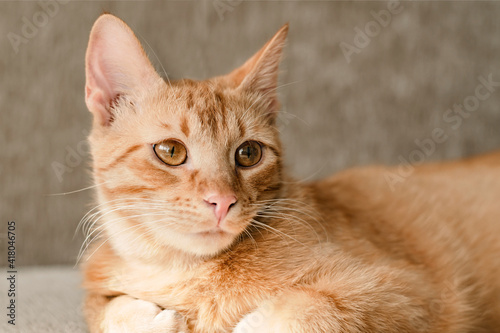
(99, 105)
(115, 64)
(99, 92)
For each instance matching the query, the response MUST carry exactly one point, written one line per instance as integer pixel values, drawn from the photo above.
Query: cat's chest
(214, 296)
(162, 284)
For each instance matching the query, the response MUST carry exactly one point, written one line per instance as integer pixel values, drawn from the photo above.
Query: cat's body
(347, 254)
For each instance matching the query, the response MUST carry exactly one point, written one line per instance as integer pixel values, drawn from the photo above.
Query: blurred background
(362, 83)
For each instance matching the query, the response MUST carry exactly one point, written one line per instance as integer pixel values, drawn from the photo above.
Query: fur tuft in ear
(116, 66)
(260, 72)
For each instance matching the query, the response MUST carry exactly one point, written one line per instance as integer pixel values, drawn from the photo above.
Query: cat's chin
(205, 243)
(210, 242)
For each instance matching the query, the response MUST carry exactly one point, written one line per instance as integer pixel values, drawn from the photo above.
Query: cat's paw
(292, 311)
(249, 324)
(125, 314)
(262, 320)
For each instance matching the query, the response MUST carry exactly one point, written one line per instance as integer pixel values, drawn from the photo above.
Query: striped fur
(345, 254)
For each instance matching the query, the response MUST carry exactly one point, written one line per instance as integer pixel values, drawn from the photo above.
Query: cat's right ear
(115, 66)
(259, 74)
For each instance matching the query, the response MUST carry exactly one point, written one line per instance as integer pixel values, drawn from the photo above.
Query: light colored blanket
(48, 299)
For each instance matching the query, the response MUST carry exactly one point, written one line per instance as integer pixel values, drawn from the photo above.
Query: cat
(200, 229)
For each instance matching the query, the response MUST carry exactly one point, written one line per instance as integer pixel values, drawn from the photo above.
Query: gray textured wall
(338, 114)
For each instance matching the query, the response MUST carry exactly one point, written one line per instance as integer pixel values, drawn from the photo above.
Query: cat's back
(463, 194)
(444, 217)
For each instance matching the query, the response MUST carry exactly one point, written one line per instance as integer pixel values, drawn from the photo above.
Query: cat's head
(183, 165)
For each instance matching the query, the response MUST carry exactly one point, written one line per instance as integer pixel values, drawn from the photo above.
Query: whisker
(89, 238)
(291, 218)
(115, 201)
(76, 191)
(276, 230)
(163, 68)
(274, 202)
(120, 219)
(105, 241)
(104, 212)
(311, 176)
(279, 208)
(256, 246)
(114, 221)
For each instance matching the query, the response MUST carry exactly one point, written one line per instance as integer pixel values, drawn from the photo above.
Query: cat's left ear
(260, 73)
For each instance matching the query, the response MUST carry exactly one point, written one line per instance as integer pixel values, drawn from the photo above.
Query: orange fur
(344, 254)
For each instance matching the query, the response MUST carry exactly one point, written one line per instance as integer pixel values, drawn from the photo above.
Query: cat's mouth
(211, 241)
(213, 232)
(226, 228)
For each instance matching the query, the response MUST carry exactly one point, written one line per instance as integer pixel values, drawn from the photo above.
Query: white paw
(261, 320)
(125, 314)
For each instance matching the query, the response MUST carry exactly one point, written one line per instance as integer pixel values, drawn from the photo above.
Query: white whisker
(76, 191)
(266, 226)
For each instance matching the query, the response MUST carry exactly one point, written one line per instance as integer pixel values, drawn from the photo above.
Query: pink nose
(221, 203)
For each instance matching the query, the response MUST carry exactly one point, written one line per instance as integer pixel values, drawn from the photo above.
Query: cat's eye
(248, 154)
(171, 152)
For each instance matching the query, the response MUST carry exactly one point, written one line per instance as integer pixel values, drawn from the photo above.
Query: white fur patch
(125, 314)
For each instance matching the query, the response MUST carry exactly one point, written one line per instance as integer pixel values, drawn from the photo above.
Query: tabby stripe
(120, 158)
(241, 127)
(275, 150)
(184, 126)
(127, 189)
(189, 100)
(150, 172)
(220, 102)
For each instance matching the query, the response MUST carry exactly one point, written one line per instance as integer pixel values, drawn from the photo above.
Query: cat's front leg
(261, 320)
(125, 314)
(295, 311)
(307, 310)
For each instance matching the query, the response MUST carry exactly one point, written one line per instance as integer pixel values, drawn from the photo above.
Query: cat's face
(185, 165)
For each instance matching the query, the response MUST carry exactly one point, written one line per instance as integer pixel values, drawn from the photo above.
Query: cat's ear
(260, 72)
(116, 66)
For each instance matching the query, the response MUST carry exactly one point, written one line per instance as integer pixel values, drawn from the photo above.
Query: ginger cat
(199, 228)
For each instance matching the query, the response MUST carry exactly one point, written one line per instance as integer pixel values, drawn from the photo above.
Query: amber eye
(171, 152)
(248, 154)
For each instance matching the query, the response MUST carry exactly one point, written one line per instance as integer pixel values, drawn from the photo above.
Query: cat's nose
(221, 204)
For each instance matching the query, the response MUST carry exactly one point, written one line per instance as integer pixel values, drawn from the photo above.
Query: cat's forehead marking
(165, 125)
(210, 111)
(185, 126)
(189, 100)
(241, 127)
(206, 110)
